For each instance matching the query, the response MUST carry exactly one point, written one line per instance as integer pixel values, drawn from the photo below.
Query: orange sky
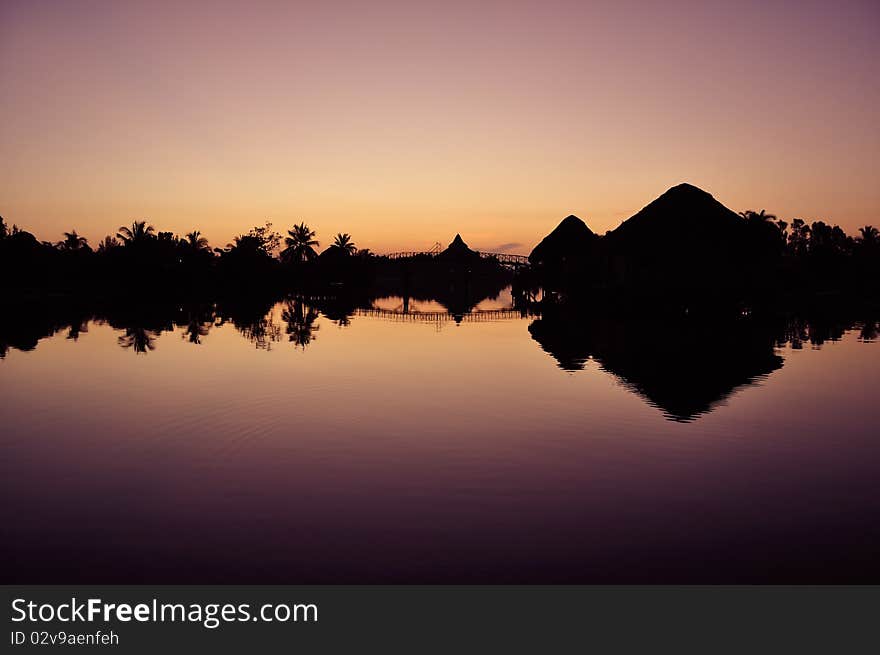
(405, 122)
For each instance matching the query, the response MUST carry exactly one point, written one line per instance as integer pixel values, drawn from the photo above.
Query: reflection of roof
(661, 360)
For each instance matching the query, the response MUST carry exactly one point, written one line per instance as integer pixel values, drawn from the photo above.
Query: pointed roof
(458, 249)
(458, 244)
(684, 211)
(571, 238)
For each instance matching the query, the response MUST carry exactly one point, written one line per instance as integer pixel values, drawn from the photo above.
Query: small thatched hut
(571, 241)
(458, 252)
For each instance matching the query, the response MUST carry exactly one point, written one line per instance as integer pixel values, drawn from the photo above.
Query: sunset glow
(403, 123)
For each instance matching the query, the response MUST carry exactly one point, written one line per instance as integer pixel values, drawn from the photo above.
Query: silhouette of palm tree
(72, 242)
(758, 217)
(869, 234)
(196, 242)
(138, 233)
(300, 244)
(344, 243)
(109, 243)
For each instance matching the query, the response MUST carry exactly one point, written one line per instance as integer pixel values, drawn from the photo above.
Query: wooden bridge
(504, 259)
(474, 316)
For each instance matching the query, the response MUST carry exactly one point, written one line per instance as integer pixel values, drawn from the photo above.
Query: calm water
(379, 448)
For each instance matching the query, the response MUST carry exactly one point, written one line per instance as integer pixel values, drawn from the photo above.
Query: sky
(404, 122)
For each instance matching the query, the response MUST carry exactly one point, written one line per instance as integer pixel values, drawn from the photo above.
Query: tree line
(793, 255)
(138, 253)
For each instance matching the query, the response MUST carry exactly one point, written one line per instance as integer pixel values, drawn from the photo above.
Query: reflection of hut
(661, 358)
(458, 251)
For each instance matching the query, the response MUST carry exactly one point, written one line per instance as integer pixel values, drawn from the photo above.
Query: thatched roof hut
(458, 251)
(571, 240)
(684, 238)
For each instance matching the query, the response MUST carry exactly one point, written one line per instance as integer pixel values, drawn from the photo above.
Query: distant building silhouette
(459, 252)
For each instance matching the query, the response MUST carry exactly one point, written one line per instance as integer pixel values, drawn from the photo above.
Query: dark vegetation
(139, 262)
(152, 264)
(683, 246)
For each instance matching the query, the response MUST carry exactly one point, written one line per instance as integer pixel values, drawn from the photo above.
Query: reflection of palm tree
(136, 234)
(344, 243)
(77, 327)
(300, 244)
(262, 331)
(139, 339)
(300, 321)
(72, 242)
(197, 326)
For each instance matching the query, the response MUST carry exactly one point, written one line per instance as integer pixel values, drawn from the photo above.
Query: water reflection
(140, 340)
(520, 449)
(685, 365)
(199, 321)
(253, 318)
(301, 326)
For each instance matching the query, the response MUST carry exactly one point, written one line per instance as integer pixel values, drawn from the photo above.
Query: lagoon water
(379, 447)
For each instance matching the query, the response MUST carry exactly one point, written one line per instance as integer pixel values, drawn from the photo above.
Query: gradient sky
(404, 122)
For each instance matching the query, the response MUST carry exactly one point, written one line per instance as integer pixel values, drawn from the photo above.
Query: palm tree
(869, 234)
(758, 217)
(300, 244)
(195, 241)
(73, 242)
(138, 233)
(108, 244)
(344, 243)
